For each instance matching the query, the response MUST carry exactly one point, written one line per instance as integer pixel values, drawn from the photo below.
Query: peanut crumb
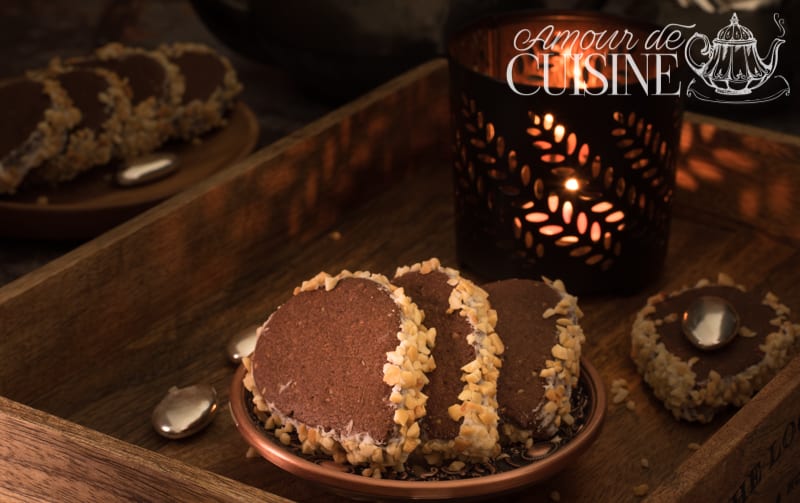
(746, 332)
(251, 453)
(335, 235)
(456, 466)
(555, 496)
(630, 405)
(619, 390)
(641, 490)
(620, 395)
(645, 463)
(694, 446)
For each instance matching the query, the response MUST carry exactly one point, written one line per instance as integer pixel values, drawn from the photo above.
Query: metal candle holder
(576, 187)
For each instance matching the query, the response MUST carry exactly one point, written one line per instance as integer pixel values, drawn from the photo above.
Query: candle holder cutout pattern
(574, 187)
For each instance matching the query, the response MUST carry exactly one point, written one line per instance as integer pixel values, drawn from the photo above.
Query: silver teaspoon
(710, 322)
(185, 411)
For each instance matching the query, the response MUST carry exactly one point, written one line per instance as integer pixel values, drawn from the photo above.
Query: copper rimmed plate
(92, 203)
(358, 486)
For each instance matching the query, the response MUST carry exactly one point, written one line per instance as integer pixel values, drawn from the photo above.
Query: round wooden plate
(359, 487)
(93, 203)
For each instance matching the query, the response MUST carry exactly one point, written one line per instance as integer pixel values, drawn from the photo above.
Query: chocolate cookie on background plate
(36, 115)
(695, 383)
(211, 88)
(103, 100)
(156, 89)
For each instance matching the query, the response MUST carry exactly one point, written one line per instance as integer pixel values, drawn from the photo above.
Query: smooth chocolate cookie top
(84, 87)
(431, 293)
(23, 103)
(528, 338)
(144, 74)
(203, 71)
(320, 358)
(728, 360)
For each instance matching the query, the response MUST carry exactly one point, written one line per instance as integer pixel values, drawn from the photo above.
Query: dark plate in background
(93, 203)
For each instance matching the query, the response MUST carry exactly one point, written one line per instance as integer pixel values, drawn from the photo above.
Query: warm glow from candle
(583, 222)
(602, 207)
(595, 233)
(615, 217)
(552, 203)
(551, 230)
(566, 212)
(558, 133)
(572, 184)
(537, 217)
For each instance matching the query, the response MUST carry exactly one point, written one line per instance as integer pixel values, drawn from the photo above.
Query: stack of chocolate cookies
(117, 103)
(428, 366)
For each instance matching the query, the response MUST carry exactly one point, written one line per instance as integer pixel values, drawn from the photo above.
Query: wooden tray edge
(38, 446)
(763, 430)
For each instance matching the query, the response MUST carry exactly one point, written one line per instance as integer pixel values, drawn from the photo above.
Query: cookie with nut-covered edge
(538, 322)
(342, 364)
(35, 117)
(104, 104)
(462, 406)
(156, 87)
(211, 88)
(695, 384)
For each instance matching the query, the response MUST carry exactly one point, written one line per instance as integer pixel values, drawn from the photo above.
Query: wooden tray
(91, 342)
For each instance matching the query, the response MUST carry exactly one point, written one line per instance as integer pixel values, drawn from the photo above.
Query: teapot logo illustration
(733, 69)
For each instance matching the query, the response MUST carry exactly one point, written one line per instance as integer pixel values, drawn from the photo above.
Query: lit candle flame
(558, 133)
(572, 184)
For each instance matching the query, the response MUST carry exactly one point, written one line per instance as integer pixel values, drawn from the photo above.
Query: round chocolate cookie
(538, 323)
(35, 116)
(211, 88)
(156, 88)
(695, 383)
(461, 418)
(104, 104)
(342, 363)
